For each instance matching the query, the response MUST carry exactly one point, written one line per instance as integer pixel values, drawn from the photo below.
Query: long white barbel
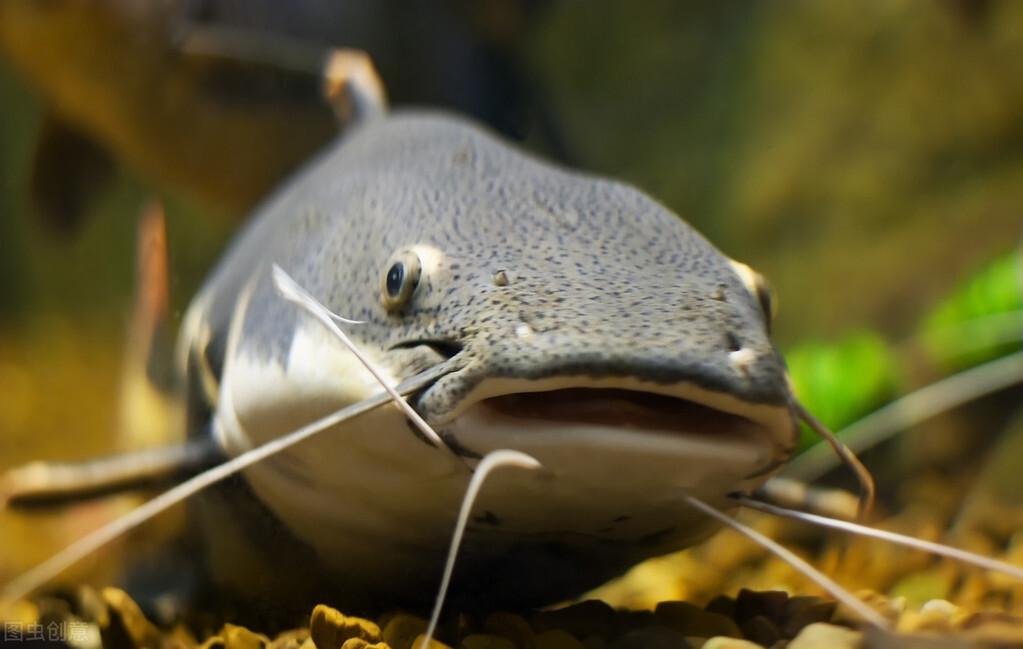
(920, 405)
(291, 291)
(847, 456)
(851, 602)
(493, 460)
(892, 537)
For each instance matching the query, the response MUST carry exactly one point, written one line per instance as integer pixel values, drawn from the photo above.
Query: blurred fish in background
(208, 104)
(218, 99)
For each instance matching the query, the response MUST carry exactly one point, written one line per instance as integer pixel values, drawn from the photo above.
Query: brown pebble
(801, 612)
(994, 628)
(126, 625)
(652, 637)
(559, 639)
(722, 605)
(767, 603)
(511, 626)
(827, 636)
(940, 607)
(89, 605)
(628, 620)
(594, 642)
(692, 620)
(329, 628)
(875, 638)
(997, 634)
(359, 643)
(290, 639)
(212, 642)
(179, 638)
(722, 642)
(592, 617)
(51, 609)
(238, 637)
(416, 644)
(981, 618)
(761, 630)
(892, 608)
(402, 629)
(486, 641)
(934, 615)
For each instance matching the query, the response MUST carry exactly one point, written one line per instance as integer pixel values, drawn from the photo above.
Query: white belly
(378, 504)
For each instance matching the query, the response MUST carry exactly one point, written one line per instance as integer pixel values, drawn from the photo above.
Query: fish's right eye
(400, 280)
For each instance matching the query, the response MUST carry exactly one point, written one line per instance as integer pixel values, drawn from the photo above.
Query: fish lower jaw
(658, 436)
(619, 456)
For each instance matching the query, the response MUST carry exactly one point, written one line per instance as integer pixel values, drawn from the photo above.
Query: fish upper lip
(452, 392)
(682, 417)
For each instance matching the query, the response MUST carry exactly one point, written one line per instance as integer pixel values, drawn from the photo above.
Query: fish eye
(401, 279)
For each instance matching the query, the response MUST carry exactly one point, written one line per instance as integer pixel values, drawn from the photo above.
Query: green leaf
(981, 320)
(842, 381)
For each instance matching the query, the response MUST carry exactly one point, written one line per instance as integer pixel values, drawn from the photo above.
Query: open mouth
(620, 439)
(622, 423)
(617, 408)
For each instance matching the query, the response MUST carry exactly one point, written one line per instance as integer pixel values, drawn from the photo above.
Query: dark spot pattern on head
(540, 271)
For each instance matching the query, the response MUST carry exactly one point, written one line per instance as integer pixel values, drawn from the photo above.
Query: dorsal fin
(352, 86)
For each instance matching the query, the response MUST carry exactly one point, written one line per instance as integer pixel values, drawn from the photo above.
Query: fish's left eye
(400, 279)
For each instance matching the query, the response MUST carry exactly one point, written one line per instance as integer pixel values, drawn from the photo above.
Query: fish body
(586, 325)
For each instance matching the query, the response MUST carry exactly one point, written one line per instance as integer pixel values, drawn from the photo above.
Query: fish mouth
(683, 426)
(616, 407)
(563, 416)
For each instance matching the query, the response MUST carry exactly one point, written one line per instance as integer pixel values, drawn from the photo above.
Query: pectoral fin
(52, 484)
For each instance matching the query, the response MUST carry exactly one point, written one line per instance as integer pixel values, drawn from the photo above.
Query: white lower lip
(708, 453)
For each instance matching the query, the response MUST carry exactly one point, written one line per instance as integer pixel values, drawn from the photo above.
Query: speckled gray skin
(622, 285)
(604, 281)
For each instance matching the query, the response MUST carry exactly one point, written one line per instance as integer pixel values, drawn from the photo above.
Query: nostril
(445, 348)
(732, 342)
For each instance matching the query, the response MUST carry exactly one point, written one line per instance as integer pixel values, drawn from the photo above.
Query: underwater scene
(623, 267)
